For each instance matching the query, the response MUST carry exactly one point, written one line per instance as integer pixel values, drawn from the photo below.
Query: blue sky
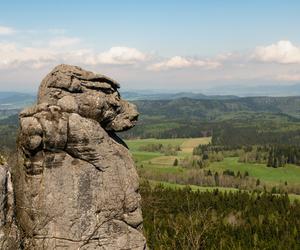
(191, 45)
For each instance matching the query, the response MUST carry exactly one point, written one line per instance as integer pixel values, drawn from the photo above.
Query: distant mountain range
(142, 95)
(224, 91)
(15, 100)
(211, 109)
(255, 90)
(12, 100)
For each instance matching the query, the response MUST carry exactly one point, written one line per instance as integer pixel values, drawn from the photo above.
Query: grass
(134, 145)
(193, 187)
(292, 197)
(140, 156)
(161, 164)
(189, 144)
(164, 160)
(160, 168)
(289, 173)
(155, 160)
(186, 144)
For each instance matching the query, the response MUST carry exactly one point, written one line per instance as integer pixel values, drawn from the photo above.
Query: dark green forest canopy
(184, 219)
(216, 109)
(239, 121)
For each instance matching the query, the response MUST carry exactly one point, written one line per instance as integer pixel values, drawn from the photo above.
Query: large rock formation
(75, 184)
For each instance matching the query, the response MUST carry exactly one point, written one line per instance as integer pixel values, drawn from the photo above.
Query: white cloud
(4, 30)
(60, 51)
(175, 62)
(178, 62)
(64, 42)
(12, 55)
(46, 52)
(281, 52)
(119, 56)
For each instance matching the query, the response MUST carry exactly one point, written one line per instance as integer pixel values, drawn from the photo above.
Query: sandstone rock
(9, 233)
(3, 193)
(76, 186)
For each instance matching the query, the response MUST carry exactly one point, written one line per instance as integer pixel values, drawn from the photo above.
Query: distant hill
(225, 91)
(178, 115)
(143, 95)
(179, 105)
(211, 109)
(258, 90)
(238, 121)
(15, 100)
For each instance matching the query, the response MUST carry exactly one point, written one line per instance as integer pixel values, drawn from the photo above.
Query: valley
(160, 168)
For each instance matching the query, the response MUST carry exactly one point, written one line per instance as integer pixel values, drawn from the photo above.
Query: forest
(186, 219)
(277, 155)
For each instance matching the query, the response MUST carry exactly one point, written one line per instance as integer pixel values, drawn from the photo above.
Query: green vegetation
(8, 132)
(192, 187)
(214, 166)
(273, 155)
(202, 153)
(237, 121)
(289, 173)
(158, 147)
(188, 219)
(135, 145)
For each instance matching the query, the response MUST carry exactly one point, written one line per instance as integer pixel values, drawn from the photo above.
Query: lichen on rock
(75, 184)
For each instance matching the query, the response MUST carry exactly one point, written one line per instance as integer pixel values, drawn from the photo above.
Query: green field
(194, 187)
(186, 144)
(156, 160)
(289, 173)
(292, 197)
(135, 144)
(160, 164)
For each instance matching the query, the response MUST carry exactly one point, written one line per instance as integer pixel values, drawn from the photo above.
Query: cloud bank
(277, 62)
(281, 52)
(179, 62)
(118, 56)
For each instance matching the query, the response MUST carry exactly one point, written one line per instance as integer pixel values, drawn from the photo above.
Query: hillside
(240, 121)
(211, 109)
(15, 100)
(153, 95)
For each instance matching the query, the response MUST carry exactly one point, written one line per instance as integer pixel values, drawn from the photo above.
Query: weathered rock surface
(75, 184)
(9, 233)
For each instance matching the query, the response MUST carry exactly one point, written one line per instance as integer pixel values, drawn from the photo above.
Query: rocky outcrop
(9, 233)
(75, 184)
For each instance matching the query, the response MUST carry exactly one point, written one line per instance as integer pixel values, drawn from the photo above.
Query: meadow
(160, 168)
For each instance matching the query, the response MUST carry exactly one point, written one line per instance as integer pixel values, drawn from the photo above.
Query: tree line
(275, 156)
(185, 219)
